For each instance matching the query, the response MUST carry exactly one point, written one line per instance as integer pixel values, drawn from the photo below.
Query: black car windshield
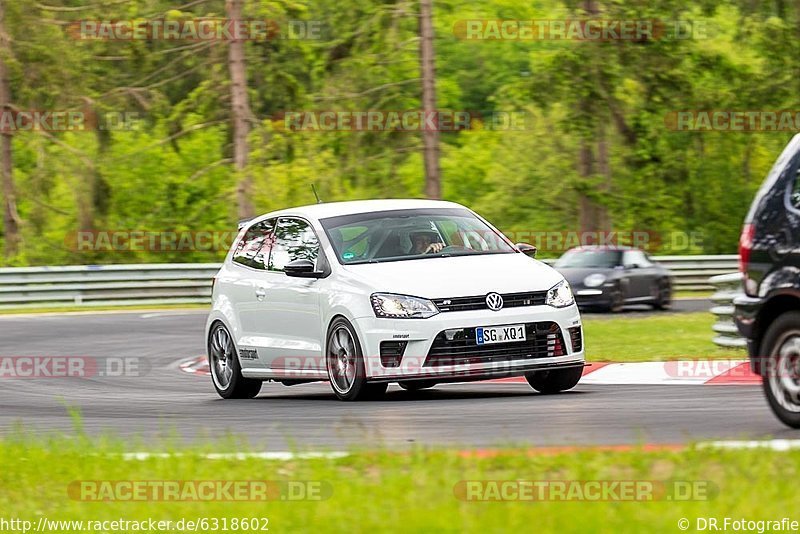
(590, 258)
(398, 235)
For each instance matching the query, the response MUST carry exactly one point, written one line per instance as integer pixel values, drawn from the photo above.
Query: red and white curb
(681, 373)
(195, 366)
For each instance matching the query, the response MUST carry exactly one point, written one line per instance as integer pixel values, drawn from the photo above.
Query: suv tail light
(746, 246)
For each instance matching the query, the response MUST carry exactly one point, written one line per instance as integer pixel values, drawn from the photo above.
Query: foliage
(170, 168)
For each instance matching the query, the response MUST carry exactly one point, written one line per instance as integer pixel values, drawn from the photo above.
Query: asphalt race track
(166, 401)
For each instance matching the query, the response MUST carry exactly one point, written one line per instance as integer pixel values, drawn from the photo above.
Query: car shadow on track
(438, 395)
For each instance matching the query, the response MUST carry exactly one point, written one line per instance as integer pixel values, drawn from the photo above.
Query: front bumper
(589, 297)
(419, 335)
(746, 309)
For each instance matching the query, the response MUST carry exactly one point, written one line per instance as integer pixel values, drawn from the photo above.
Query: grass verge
(685, 336)
(415, 491)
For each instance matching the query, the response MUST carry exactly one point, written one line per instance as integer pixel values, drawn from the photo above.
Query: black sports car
(611, 277)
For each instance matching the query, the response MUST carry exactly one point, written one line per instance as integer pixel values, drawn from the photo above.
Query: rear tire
(554, 381)
(345, 363)
(226, 372)
(416, 385)
(781, 370)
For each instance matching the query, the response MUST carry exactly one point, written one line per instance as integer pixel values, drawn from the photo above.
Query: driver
(425, 243)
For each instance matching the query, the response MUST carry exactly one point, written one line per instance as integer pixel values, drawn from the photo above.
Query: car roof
(334, 209)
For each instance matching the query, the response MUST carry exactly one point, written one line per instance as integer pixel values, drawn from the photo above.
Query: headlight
(594, 280)
(560, 295)
(402, 306)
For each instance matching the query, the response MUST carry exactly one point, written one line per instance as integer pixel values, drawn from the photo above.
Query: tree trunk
(430, 138)
(592, 215)
(10, 216)
(604, 168)
(588, 213)
(240, 114)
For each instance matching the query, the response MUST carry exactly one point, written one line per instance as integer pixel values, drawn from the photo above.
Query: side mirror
(527, 249)
(301, 269)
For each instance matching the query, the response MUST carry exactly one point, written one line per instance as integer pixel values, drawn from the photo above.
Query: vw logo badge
(494, 301)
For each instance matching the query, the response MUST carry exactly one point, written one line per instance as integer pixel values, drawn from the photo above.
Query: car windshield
(411, 234)
(592, 258)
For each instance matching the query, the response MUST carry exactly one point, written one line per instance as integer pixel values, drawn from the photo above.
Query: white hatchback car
(366, 293)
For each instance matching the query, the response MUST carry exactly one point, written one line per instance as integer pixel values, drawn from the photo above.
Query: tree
(241, 114)
(430, 137)
(10, 216)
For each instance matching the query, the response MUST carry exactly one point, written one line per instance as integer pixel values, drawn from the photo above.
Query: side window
(294, 240)
(795, 196)
(635, 257)
(253, 249)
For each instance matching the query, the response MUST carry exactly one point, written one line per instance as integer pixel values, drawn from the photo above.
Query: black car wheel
(781, 371)
(663, 295)
(617, 299)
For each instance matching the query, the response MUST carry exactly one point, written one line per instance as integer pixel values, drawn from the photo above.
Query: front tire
(345, 363)
(226, 372)
(781, 371)
(617, 300)
(554, 381)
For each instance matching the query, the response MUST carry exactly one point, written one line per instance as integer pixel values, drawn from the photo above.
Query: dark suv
(768, 315)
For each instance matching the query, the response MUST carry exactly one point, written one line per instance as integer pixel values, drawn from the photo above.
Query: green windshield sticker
(348, 256)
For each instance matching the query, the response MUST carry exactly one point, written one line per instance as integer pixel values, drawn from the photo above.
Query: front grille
(510, 300)
(576, 336)
(459, 346)
(392, 352)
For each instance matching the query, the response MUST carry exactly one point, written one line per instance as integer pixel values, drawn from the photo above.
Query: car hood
(575, 275)
(457, 276)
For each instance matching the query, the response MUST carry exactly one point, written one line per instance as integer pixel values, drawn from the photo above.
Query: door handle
(261, 293)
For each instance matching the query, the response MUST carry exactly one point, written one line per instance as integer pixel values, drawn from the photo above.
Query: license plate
(500, 334)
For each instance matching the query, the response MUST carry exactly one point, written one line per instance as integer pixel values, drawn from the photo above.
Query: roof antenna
(314, 189)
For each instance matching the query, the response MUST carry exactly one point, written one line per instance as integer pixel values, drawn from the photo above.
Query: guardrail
(106, 285)
(182, 283)
(727, 287)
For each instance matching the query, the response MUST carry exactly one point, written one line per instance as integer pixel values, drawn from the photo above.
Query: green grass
(685, 336)
(406, 491)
